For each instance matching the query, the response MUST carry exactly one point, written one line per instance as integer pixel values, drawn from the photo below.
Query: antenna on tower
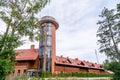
(96, 56)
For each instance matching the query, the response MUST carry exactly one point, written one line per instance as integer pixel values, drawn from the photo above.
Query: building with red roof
(33, 61)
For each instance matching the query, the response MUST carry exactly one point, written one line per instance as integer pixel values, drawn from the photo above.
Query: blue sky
(76, 35)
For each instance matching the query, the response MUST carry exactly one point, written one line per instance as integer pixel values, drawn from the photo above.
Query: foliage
(106, 64)
(75, 74)
(21, 20)
(34, 78)
(23, 77)
(109, 34)
(51, 76)
(113, 66)
(79, 74)
(7, 54)
(21, 16)
(109, 39)
(46, 74)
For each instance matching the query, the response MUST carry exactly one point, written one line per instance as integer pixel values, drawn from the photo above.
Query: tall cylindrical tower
(48, 26)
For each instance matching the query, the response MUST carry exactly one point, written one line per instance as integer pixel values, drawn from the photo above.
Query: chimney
(67, 57)
(32, 47)
(76, 58)
(61, 56)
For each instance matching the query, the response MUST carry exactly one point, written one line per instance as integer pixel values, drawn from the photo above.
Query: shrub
(23, 77)
(46, 74)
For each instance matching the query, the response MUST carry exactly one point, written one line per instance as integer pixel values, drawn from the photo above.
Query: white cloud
(76, 35)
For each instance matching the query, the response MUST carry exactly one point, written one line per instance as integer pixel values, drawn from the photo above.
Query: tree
(113, 66)
(21, 20)
(109, 39)
(7, 56)
(106, 64)
(21, 16)
(109, 34)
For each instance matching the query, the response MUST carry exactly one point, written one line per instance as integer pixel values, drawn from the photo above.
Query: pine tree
(109, 34)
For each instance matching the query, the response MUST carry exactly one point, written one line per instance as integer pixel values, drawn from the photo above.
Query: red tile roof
(75, 62)
(26, 54)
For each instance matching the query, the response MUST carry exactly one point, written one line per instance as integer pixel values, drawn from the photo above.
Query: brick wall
(68, 69)
(25, 65)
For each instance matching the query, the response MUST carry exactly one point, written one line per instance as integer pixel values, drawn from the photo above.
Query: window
(18, 74)
(92, 65)
(49, 29)
(42, 42)
(67, 61)
(41, 51)
(100, 66)
(25, 71)
(49, 52)
(48, 58)
(41, 63)
(49, 41)
(48, 66)
(42, 27)
(13, 74)
(82, 63)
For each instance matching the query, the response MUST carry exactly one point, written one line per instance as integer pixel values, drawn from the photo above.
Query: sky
(76, 35)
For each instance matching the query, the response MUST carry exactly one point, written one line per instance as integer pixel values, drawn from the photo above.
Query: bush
(23, 77)
(116, 76)
(115, 67)
(79, 74)
(74, 74)
(46, 74)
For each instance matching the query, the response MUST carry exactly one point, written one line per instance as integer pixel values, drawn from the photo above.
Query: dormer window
(81, 63)
(101, 66)
(67, 61)
(93, 65)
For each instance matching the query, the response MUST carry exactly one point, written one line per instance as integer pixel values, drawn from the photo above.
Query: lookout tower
(48, 26)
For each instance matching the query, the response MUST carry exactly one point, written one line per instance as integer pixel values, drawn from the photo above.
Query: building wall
(53, 48)
(25, 65)
(33, 64)
(94, 71)
(69, 69)
(20, 66)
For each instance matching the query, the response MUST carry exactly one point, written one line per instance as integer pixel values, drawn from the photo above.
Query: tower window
(49, 52)
(49, 41)
(42, 42)
(41, 50)
(42, 27)
(48, 65)
(49, 29)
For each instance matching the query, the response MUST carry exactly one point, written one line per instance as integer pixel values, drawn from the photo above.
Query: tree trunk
(114, 44)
